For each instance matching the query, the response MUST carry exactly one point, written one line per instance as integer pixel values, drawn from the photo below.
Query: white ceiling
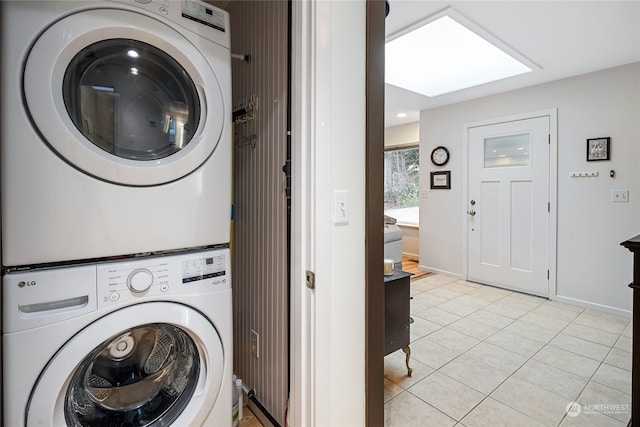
(565, 38)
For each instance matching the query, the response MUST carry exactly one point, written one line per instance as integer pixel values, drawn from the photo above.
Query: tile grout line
(520, 367)
(479, 361)
(547, 343)
(591, 379)
(482, 341)
(529, 358)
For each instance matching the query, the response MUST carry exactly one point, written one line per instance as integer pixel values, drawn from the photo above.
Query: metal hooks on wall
(245, 57)
(246, 110)
(243, 113)
(246, 140)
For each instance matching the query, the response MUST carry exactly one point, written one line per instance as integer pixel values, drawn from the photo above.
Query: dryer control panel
(184, 274)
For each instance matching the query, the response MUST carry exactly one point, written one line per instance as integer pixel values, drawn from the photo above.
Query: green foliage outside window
(401, 178)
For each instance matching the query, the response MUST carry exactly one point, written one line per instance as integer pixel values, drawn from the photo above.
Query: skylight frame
(421, 78)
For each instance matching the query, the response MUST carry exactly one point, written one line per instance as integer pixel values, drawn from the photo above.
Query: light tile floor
(483, 356)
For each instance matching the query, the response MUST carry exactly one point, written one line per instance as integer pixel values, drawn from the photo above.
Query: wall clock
(440, 156)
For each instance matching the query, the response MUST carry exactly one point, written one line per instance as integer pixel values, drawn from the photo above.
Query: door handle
(472, 213)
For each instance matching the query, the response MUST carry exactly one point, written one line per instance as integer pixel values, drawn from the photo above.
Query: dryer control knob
(140, 280)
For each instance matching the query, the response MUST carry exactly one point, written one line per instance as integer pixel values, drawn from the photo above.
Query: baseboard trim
(411, 257)
(593, 306)
(438, 271)
(259, 411)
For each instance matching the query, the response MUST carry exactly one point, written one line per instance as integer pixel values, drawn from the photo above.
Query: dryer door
(124, 97)
(150, 364)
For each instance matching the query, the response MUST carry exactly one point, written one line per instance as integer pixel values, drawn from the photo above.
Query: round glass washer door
(113, 104)
(140, 377)
(119, 371)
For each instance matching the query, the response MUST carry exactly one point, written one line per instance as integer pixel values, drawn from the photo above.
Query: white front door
(508, 206)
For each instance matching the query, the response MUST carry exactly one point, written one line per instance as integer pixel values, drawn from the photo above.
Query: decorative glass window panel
(507, 151)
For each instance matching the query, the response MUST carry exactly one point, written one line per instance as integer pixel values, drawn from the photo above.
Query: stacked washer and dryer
(116, 200)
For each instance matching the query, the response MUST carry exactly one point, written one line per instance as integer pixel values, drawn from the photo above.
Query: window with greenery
(401, 184)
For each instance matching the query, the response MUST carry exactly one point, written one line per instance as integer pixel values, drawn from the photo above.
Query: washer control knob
(140, 280)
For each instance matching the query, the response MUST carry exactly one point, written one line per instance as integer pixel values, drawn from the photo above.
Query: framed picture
(440, 180)
(598, 149)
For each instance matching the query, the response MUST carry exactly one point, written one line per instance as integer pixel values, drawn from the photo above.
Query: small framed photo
(598, 149)
(440, 180)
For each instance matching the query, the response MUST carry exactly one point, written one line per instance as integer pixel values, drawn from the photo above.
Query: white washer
(133, 342)
(115, 128)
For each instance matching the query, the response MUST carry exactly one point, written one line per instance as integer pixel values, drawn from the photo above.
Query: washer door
(151, 364)
(124, 97)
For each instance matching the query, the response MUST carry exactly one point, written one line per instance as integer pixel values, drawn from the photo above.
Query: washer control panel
(189, 273)
(204, 14)
(197, 16)
(140, 280)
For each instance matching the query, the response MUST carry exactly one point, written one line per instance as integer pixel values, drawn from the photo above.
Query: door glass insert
(131, 99)
(507, 151)
(142, 376)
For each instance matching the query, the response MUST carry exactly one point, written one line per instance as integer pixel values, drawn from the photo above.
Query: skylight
(443, 56)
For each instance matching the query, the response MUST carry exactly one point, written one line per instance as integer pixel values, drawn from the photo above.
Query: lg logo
(22, 283)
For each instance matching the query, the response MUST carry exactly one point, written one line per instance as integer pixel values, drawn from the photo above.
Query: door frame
(302, 370)
(374, 208)
(309, 394)
(552, 113)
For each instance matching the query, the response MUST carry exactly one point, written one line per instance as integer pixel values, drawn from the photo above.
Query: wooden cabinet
(633, 245)
(396, 314)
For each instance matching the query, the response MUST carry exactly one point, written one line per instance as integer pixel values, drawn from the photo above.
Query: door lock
(473, 202)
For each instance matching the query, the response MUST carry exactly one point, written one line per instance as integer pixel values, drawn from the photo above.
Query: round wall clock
(440, 156)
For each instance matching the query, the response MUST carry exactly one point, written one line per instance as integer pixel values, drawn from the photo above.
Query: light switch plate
(620, 196)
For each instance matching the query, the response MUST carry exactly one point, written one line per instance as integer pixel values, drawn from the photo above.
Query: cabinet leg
(407, 351)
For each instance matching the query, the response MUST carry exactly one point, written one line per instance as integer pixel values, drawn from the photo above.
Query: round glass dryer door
(150, 364)
(131, 99)
(126, 98)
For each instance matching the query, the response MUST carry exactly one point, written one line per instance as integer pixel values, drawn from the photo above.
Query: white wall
(329, 154)
(340, 165)
(592, 268)
(410, 241)
(402, 135)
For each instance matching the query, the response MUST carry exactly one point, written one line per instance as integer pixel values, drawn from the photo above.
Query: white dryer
(115, 128)
(144, 342)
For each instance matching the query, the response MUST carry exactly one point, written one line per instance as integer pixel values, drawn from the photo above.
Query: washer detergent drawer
(38, 298)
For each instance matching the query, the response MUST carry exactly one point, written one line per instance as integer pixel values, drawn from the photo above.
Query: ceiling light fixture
(401, 115)
(447, 53)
